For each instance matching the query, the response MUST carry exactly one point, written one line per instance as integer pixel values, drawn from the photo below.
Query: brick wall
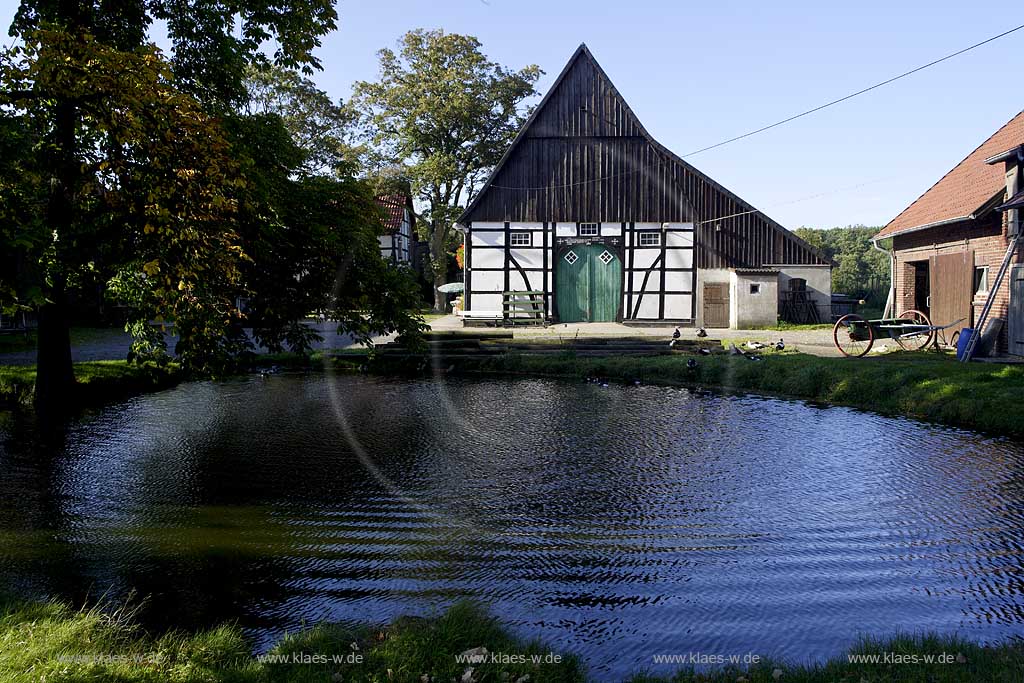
(986, 237)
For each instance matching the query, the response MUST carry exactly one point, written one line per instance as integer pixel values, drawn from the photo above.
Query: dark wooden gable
(583, 155)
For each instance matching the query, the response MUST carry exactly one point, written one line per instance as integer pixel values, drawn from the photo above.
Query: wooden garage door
(951, 287)
(716, 304)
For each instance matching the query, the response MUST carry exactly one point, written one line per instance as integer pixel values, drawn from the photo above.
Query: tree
(861, 271)
(105, 119)
(312, 242)
(323, 129)
(445, 113)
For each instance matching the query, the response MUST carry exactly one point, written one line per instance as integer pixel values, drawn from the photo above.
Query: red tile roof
(394, 210)
(965, 189)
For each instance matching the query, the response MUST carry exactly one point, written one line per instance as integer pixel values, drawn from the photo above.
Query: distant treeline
(861, 271)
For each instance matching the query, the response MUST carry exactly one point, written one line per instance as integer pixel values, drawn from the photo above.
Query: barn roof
(971, 188)
(394, 206)
(584, 155)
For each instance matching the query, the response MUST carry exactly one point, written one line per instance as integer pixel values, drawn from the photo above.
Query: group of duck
(750, 353)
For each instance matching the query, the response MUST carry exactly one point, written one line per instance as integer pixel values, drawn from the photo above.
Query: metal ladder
(972, 344)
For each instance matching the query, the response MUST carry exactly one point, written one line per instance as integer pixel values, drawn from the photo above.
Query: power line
(797, 201)
(859, 92)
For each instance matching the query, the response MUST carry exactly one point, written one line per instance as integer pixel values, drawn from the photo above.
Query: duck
(691, 363)
(780, 345)
(752, 356)
(701, 332)
(754, 346)
(704, 352)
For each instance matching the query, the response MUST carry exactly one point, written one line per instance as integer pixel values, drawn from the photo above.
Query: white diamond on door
(571, 257)
(606, 257)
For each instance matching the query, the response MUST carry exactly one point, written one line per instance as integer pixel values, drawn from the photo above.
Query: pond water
(618, 522)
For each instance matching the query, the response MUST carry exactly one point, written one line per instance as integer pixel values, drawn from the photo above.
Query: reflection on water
(615, 522)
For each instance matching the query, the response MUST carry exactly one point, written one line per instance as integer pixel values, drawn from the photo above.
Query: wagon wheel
(853, 335)
(920, 340)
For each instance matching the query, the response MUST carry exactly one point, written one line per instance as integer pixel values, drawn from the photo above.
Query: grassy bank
(52, 642)
(920, 385)
(96, 381)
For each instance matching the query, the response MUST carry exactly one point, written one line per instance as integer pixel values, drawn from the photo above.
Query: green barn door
(605, 284)
(572, 288)
(589, 284)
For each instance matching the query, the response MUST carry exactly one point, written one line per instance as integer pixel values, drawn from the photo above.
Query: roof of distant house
(394, 206)
(966, 190)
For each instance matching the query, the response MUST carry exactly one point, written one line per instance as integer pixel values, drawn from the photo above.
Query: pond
(617, 522)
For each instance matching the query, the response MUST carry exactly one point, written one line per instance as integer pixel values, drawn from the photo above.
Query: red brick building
(948, 245)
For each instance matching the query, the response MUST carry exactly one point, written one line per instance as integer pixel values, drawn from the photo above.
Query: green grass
(924, 385)
(96, 381)
(54, 642)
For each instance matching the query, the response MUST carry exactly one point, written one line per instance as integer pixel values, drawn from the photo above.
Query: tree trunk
(55, 376)
(439, 264)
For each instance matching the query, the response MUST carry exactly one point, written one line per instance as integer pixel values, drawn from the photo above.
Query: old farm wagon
(588, 218)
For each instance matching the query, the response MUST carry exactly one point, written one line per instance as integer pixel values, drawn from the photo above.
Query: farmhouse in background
(397, 244)
(948, 245)
(605, 224)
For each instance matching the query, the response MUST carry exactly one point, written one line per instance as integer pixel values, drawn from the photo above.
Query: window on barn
(650, 239)
(521, 239)
(981, 280)
(589, 230)
(755, 288)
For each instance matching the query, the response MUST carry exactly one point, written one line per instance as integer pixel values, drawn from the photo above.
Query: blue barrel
(963, 341)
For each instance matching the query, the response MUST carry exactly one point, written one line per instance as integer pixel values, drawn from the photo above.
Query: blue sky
(698, 73)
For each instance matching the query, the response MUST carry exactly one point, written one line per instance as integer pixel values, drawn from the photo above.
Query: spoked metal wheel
(918, 340)
(853, 335)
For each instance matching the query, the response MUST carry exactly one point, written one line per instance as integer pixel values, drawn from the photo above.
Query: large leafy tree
(121, 168)
(312, 241)
(444, 113)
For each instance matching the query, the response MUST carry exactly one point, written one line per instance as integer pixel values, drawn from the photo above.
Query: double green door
(588, 284)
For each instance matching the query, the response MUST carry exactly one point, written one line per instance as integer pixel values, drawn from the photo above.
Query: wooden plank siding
(584, 156)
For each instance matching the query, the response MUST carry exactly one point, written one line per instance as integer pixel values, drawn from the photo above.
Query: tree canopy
(443, 113)
(151, 178)
(862, 271)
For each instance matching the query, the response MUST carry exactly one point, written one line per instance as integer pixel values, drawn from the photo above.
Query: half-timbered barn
(605, 224)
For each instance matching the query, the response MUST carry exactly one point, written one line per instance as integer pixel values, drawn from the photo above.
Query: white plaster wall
(754, 310)
(487, 239)
(678, 239)
(486, 302)
(679, 258)
(528, 258)
(678, 307)
(487, 281)
(678, 281)
(487, 258)
(653, 282)
(643, 258)
(819, 285)
(648, 307)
